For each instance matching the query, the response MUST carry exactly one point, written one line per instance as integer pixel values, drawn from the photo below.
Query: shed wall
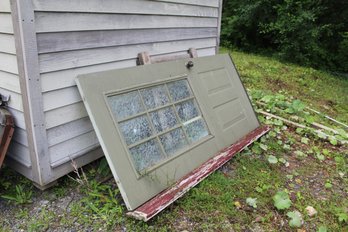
(77, 37)
(9, 85)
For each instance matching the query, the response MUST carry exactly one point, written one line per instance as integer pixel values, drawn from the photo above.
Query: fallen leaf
(322, 229)
(304, 140)
(311, 211)
(252, 202)
(342, 217)
(298, 181)
(328, 185)
(321, 135)
(320, 157)
(300, 154)
(237, 204)
(263, 147)
(272, 159)
(333, 141)
(282, 200)
(296, 219)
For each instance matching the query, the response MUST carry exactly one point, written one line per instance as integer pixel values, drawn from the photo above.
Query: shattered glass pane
(187, 110)
(135, 129)
(163, 119)
(125, 105)
(155, 96)
(196, 130)
(179, 90)
(173, 141)
(146, 155)
(150, 122)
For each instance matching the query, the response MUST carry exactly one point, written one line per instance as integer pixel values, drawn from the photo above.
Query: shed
(45, 44)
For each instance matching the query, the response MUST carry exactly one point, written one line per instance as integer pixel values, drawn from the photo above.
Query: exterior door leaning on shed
(45, 44)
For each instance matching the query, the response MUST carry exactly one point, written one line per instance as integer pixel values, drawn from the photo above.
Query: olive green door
(156, 123)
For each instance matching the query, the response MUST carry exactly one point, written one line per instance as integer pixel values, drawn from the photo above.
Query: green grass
(326, 92)
(219, 202)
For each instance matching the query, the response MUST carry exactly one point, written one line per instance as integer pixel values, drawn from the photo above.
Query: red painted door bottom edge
(154, 206)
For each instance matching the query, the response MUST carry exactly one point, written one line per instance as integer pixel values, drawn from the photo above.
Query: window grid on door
(158, 122)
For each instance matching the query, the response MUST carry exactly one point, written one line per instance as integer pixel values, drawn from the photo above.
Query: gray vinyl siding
(9, 85)
(78, 37)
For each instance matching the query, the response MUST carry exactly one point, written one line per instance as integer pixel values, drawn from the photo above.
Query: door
(156, 123)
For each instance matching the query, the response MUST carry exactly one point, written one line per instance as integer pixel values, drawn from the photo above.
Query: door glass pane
(179, 90)
(173, 141)
(125, 105)
(135, 129)
(154, 96)
(150, 135)
(196, 130)
(146, 155)
(163, 119)
(187, 110)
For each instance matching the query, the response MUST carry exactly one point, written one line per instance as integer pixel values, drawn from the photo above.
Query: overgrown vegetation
(306, 32)
(292, 178)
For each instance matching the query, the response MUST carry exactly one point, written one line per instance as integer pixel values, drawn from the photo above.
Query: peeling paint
(168, 196)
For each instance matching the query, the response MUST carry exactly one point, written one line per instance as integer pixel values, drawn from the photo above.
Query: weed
(81, 179)
(103, 167)
(296, 219)
(20, 197)
(42, 222)
(282, 200)
(101, 204)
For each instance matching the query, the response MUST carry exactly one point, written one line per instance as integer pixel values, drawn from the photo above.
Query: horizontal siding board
(8, 63)
(211, 3)
(6, 23)
(66, 78)
(74, 111)
(68, 131)
(66, 41)
(60, 98)
(55, 22)
(25, 170)
(7, 43)
(18, 118)
(125, 7)
(65, 114)
(5, 6)
(20, 136)
(10, 82)
(206, 52)
(86, 156)
(70, 147)
(67, 60)
(15, 101)
(20, 153)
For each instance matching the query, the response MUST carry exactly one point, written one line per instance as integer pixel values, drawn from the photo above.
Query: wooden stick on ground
(328, 117)
(283, 119)
(315, 124)
(291, 123)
